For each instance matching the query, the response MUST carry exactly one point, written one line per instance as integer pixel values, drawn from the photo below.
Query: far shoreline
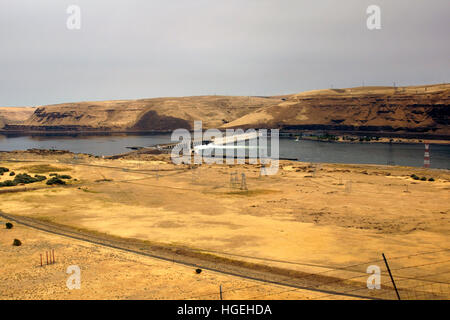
(333, 136)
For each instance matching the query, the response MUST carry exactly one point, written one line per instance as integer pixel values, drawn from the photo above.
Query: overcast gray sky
(129, 49)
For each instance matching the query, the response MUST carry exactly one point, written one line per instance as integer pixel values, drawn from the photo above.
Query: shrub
(431, 179)
(198, 271)
(416, 177)
(8, 183)
(40, 178)
(17, 242)
(24, 178)
(60, 176)
(423, 178)
(12, 173)
(8, 225)
(3, 169)
(55, 180)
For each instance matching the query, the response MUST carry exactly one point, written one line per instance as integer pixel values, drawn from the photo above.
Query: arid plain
(313, 219)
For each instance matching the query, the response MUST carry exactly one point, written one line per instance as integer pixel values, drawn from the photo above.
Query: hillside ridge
(413, 109)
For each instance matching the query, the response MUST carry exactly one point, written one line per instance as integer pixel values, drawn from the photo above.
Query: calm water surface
(304, 150)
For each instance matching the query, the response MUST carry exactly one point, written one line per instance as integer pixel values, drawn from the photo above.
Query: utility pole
(390, 275)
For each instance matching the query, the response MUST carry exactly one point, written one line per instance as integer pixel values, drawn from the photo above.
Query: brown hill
(418, 109)
(424, 109)
(159, 114)
(14, 116)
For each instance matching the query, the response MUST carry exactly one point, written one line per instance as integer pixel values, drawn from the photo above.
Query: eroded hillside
(423, 109)
(159, 114)
(14, 116)
(418, 109)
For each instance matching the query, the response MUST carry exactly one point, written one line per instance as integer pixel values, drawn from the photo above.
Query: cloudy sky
(129, 49)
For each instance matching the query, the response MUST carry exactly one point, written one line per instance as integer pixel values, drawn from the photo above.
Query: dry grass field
(318, 219)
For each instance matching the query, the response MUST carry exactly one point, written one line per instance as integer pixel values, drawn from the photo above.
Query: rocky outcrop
(424, 109)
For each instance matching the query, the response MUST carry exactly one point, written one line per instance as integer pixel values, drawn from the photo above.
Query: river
(304, 150)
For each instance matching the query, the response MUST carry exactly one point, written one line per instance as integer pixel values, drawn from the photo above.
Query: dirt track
(188, 257)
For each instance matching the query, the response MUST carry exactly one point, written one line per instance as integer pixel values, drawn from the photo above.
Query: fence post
(390, 275)
(221, 292)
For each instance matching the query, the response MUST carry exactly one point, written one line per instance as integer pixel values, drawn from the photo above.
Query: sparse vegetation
(55, 180)
(64, 176)
(26, 178)
(43, 168)
(22, 178)
(9, 225)
(60, 176)
(12, 173)
(3, 170)
(17, 242)
(8, 183)
(423, 179)
(104, 180)
(431, 179)
(198, 271)
(40, 178)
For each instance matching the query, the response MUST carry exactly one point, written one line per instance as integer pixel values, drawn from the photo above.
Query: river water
(303, 150)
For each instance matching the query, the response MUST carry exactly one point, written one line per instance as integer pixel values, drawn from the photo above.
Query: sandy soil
(113, 274)
(309, 218)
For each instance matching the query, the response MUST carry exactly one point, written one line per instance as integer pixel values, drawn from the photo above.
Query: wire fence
(414, 281)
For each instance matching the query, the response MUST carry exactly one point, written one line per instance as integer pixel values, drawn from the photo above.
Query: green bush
(17, 242)
(8, 225)
(198, 271)
(416, 178)
(423, 178)
(431, 179)
(24, 178)
(40, 178)
(60, 176)
(8, 183)
(3, 169)
(12, 173)
(55, 180)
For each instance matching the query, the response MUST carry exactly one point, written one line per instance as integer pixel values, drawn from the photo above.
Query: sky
(130, 49)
